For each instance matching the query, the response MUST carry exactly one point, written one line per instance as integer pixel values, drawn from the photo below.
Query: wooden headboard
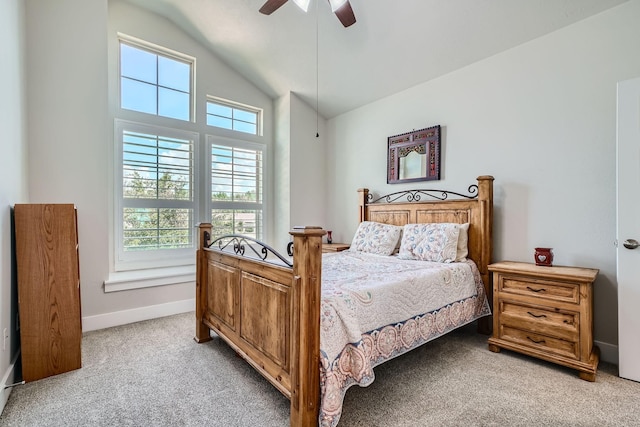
(408, 207)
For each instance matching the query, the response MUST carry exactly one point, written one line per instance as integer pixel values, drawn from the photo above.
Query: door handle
(631, 243)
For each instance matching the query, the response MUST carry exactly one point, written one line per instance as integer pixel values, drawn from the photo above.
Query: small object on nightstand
(544, 256)
(329, 239)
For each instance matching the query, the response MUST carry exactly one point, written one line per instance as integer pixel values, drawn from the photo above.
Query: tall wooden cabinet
(48, 289)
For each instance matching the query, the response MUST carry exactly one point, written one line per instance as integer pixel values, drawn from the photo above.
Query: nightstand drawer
(547, 321)
(541, 342)
(555, 291)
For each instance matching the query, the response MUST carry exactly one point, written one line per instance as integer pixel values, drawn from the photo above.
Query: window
(237, 177)
(157, 200)
(154, 80)
(233, 116)
(159, 195)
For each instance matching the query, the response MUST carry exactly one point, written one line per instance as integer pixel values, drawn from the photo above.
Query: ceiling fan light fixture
(302, 4)
(336, 4)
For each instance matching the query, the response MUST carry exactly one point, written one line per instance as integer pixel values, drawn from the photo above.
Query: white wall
(308, 166)
(13, 175)
(68, 126)
(541, 118)
(282, 173)
(72, 63)
(299, 168)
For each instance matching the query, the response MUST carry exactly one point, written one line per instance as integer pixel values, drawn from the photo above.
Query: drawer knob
(536, 315)
(536, 290)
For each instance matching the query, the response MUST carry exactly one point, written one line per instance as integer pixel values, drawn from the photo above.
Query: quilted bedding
(375, 308)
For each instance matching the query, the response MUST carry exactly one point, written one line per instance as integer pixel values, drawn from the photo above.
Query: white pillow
(376, 238)
(463, 243)
(437, 242)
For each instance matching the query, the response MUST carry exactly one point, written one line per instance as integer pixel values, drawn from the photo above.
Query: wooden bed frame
(270, 314)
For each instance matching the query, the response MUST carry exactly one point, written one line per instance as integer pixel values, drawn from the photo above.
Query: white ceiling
(394, 45)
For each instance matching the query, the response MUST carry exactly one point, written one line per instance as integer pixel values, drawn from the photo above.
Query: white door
(628, 228)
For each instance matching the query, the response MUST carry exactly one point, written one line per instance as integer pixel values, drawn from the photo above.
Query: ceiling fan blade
(271, 6)
(345, 14)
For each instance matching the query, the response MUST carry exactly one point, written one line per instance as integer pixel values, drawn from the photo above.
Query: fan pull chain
(317, 72)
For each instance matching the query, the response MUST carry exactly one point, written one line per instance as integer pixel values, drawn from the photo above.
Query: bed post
(204, 235)
(363, 196)
(305, 346)
(485, 199)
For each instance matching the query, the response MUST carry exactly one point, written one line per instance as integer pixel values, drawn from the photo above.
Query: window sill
(138, 279)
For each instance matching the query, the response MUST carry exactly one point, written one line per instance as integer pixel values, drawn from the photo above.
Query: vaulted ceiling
(394, 45)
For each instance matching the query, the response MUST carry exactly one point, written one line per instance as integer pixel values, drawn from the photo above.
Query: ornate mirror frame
(414, 156)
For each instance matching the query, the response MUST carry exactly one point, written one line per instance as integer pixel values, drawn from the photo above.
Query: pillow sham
(463, 243)
(437, 242)
(375, 238)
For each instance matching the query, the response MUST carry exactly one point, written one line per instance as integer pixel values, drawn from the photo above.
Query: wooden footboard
(269, 314)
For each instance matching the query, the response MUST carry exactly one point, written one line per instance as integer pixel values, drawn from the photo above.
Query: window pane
(245, 127)
(138, 96)
(220, 122)
(137, 64)
(245, 116)
(236, 174)
(156, 167)
(219, 110)
(153, 228)
(173, 104)
(154, 83)
(174, 164)
(139, 155)
(174, 74)
(237, 119)
(236, 221)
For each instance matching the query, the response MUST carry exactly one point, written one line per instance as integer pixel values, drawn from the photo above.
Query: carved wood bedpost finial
(204, 235)
(363, 198)
(305, 345)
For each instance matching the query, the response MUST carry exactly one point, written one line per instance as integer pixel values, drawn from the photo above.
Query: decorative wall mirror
(414, 156)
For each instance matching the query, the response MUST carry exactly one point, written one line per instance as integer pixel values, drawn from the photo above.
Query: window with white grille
(233, 116)
(157, 201)
(236, 190)
(155, 80)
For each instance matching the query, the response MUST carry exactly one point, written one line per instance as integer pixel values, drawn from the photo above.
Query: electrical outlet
(5, 335)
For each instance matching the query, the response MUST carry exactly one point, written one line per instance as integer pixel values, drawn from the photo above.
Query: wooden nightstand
(545, 312)
(334, 247)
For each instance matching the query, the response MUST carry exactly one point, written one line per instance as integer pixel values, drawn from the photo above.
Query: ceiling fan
(342, 9)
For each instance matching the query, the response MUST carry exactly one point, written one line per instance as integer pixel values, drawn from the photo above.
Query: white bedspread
(377, 307)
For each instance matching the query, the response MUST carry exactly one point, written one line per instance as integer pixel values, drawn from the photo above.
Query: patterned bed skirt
(354, 365)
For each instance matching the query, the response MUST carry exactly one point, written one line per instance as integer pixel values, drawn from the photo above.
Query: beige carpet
(153, 374)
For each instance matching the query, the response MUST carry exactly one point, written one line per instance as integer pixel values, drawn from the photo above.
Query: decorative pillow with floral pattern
(376, 238)
(437, 242)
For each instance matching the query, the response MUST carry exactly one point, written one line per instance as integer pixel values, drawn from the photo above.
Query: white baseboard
(117, 318)
(8, 378)
(608, 352)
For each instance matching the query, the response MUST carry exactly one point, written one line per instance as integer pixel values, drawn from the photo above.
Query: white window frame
(237, 106)
(162, 51)
(125, 261)
(237, 143)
